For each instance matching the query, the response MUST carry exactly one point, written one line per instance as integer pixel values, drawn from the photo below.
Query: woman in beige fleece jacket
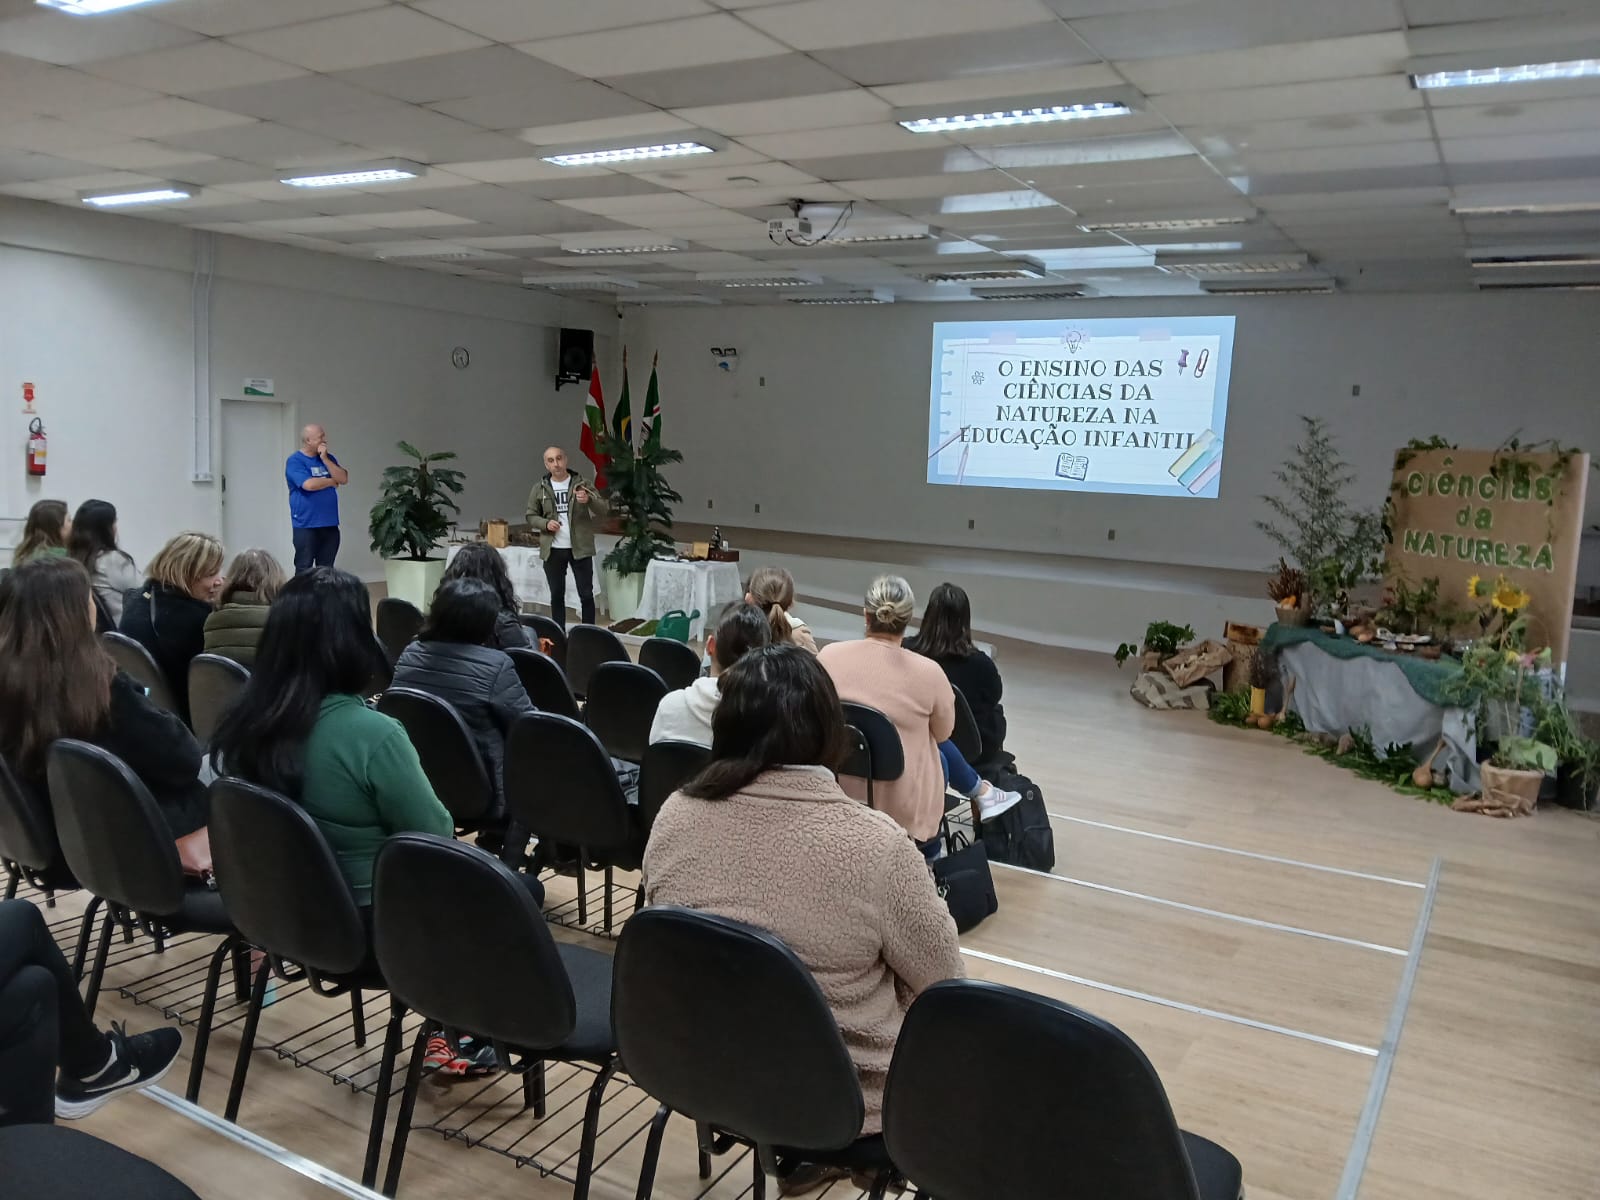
(766, 836)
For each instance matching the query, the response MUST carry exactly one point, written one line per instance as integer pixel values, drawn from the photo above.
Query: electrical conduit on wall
(204, 252)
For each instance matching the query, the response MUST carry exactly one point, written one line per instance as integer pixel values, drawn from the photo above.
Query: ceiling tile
(416, 218)
(1235, 105)
(1331, 158)
(754, 175)
(267, 143)
(731, 83)
(1572, 144)
(929, 185)
(552, 219)
(520, 21)
(1030, 48)
(220, 171)
(647, 124)
(462, 74)
(287, 99)
(1335, 58)
(832, 143)
(853, 107)
(1439, 12)
(313, 224)
(999, 86)
(1347, 129)
(360, 39)
(57, 37)
(818, 24)
(1496, 119)
(398, 130)
(202, 67)
(924, 160)
(146, 156)
(589, 187)
(553, 103)
(162, 118)
(628, 206)
(53, 135)
(690, 42)
(23, 166)
(222, 18)
(1206, 25)
(745, 196)
(528, 168)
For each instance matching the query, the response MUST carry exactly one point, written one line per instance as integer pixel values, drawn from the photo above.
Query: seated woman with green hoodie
(234, 630)
(685, 715)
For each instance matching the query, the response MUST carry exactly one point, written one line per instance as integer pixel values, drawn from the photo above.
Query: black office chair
(119, 847)
(708, 1013)
(549, 628)
(30, 851)
(666, 767)
(1061, 1102)
(507, 980)
(562, 788)
(284, 892)
(214, 684)
(623, 698)
(545, 682)
(398, 622)
(132, 658)
(677, 665)
(449, 754)
(966, 737)
(587, 647)
(66, 1164)
(885, 759)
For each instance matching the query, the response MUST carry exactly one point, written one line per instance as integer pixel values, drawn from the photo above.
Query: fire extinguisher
(36, 447)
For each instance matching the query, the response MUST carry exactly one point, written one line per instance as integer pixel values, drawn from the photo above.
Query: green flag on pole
(652, 409)
(622, 419)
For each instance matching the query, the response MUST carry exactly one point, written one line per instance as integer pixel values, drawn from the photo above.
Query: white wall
(96, 311)
(834, 439)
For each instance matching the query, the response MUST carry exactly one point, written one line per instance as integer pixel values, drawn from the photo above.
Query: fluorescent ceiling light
(1164, 225)
(162, 194)
(444, 254)
(1525, 210)
(862, 239)
(668, 298)
(1495, 261)
(1040, 115)
(724, 279)
(592, 158)
(91, 8)
(1067, 291)
(390, 170)
(1321, 287)
(872, 296)
(1577, 68)
(1018, 268)
(1538, 287)
(566, 281)
(1258, 264)
(609, 244)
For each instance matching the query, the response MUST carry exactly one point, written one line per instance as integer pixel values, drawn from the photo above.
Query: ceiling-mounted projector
(781, 229)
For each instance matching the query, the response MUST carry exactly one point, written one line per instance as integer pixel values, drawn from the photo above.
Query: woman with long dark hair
(301, 727)
(765, 835)
(481, 561)
(44, 533)
(57, 681)
(945, 636)
(93, 542)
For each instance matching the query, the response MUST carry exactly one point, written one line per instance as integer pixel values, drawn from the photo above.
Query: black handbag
(964, 881)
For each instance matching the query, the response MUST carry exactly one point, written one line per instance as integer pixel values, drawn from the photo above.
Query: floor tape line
(1257, 922)
(1273, 858)
(1215, 1014)
(301, 1165)
(1355, 1164)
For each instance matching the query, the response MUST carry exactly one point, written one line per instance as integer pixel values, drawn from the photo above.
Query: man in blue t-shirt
(314, 477)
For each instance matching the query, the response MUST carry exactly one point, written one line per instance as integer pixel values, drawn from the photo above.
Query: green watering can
(675, 624)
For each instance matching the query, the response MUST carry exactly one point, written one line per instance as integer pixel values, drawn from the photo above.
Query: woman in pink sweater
(914, 694)
(765, 835)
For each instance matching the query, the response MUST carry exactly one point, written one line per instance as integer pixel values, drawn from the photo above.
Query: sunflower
(1508, 597)
(1472, 586)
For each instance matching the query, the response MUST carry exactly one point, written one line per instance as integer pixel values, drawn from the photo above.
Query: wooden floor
(1246, 912)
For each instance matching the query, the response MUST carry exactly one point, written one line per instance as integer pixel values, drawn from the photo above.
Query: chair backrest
(858, 755)
(449, 754)
(280, 881)
(587, 647)
(966, 737)
(112, 834)
(214, 684)
(459, 940)
(708, 1012)
(666, 767)
(132, 658)
(27, 834)
(1062, 1103)
(883, 740)
(623, 698)
(549, 628)
(560, 784)
(545, 682)
(677, 665)
(398, 622)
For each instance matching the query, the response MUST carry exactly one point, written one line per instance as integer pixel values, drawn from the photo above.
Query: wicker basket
(1295, 617)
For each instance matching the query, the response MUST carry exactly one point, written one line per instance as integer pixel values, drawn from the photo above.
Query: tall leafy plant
(1336, 544)
(641, 499)
(416, 509)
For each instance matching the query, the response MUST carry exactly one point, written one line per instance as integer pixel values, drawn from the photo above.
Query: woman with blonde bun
(771, 589)
(914, 694)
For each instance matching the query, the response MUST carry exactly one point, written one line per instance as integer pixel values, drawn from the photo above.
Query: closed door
(255, 499)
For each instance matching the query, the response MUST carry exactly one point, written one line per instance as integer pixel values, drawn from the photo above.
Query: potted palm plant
(641, 500)
(411, 519)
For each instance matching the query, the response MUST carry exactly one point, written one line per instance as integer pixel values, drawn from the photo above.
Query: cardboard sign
(1455, 515)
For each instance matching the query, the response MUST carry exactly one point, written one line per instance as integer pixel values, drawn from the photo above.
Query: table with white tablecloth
(705, 587)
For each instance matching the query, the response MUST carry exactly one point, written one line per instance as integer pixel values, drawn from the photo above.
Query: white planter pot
(413, 579)
(623, 593)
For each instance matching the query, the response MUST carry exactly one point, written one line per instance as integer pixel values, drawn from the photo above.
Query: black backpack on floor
(1021, 835)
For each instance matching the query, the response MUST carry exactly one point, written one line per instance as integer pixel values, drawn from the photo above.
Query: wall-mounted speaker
(575, 356)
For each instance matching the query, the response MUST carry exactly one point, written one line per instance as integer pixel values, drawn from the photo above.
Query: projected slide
(1132, 405)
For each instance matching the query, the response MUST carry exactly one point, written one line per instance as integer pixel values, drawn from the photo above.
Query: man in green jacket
(563, 508)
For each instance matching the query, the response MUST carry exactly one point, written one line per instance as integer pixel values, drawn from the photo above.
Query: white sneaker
(996, 802)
